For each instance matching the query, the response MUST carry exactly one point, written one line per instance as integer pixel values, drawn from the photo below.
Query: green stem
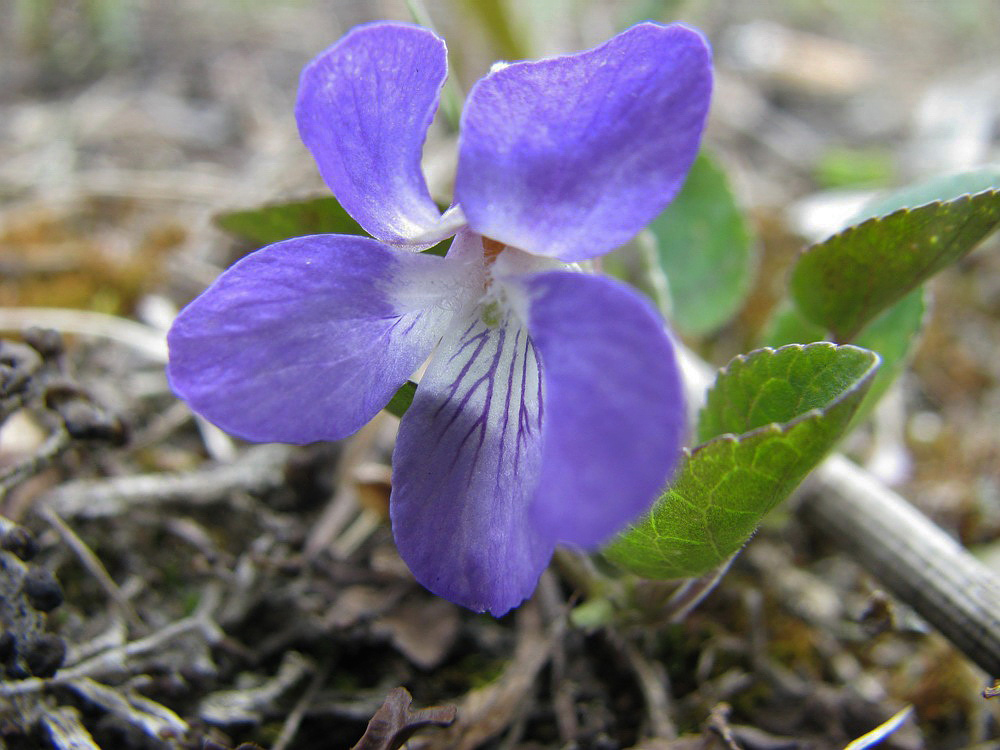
(452, 95)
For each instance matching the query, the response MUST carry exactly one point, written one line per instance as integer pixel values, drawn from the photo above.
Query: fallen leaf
(423, 631)
(394, 723)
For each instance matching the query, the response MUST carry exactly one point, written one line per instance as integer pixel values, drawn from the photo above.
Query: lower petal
(465, 467)
(614, 408)
(308, 339)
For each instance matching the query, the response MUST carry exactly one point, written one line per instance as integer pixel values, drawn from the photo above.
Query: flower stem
(451, 95)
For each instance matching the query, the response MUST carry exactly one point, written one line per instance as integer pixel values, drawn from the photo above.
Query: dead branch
(910, 555)
(93, 564)
(259, 469)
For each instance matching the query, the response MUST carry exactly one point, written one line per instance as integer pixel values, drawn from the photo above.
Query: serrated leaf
(704, 247)
(848, 279)
(777, 386)
(273, 223)
(787, 325)
(891, 335)
(944, 188)
(770, 418)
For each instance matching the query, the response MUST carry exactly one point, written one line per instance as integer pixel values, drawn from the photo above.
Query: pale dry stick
(152, 718)
(579, 569)
(114, 635)
(218, 444)
(342, 507)
(54, 446)
(147, 340)
(257, 470)
(487, 711)
(112, 660)
(882, 731)
(180, 186)
(291, 726)
(92, 563)
(142, 338)
(554, 608)
(65, 729)
(159, 427)
(909, 554)
(691, 593)
(654, 684)
(357, 533)
(243, 704)
(718, 722)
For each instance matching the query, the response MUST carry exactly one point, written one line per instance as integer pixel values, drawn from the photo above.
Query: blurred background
(188, 106)
(126, 125)
(134, 121)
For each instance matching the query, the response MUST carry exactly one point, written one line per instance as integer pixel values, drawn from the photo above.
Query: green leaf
(280, 221)
(788, 326)
(891, 335)
(494, 17)
(770, 418)
(704, 247)
(849, 167)
(846, 280)
(945, 188)
(402, 399)
(269, 224)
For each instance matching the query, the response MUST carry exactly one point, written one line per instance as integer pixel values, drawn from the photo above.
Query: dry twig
(258, 469)
(291, 726)
(487, 711)
(136, 336)
(113, 660)
(654, 684)
(910, 555)
(93, 564)
(54, 446)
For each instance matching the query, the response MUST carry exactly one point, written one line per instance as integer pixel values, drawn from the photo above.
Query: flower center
(492, 311)
(491, 249)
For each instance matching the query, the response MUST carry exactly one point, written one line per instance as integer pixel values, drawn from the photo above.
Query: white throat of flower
(503, 298)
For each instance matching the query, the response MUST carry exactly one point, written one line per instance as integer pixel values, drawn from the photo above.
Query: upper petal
(571, 157)
(465, 467)
(307, 339)
(363, 110)
(614, 416)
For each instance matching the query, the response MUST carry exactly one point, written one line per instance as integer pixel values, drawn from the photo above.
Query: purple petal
(363, 110)
(307, 339)
(614, 408)
(571, 157)
(465, 469)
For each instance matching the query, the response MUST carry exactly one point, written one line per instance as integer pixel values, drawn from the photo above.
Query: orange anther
(491, 249)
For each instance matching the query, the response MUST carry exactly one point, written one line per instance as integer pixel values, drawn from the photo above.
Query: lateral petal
(570, 157)
(363, 110)
(614, 408)
(465, 467)
(307, 339)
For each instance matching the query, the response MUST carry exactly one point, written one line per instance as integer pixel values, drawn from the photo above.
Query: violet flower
(551, 410)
